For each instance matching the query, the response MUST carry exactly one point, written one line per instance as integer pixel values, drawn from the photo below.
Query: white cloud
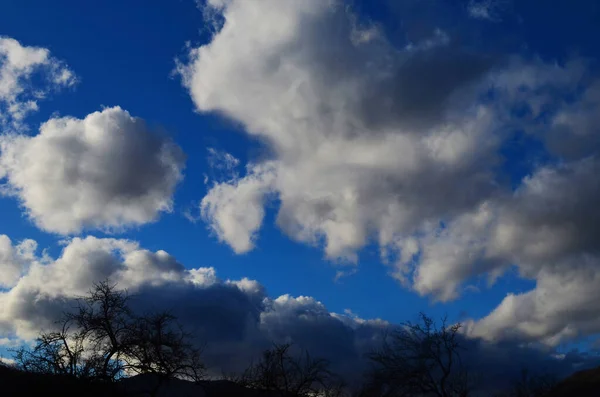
(562, 306)
(404, 147)
(14, 260)
(18, 65)
(550, 229)
(448, 255)
(108, 171)
(349, 128)
(235, 209)
(7, 361)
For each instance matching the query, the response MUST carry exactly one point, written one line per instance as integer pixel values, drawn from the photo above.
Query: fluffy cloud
(235, 318)
(14, 260)
(550, 229)
(235, 208)
(18, 66)
(411, 146)
(563, 306)
(108, 170)
(349, 127)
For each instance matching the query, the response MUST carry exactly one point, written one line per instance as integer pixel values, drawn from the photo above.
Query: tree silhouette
(531, 385)
(102, 339)
(104, 321)
(57, 352)
(419, 359)
(160, 346)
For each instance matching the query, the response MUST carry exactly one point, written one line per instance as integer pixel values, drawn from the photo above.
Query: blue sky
(124, 54)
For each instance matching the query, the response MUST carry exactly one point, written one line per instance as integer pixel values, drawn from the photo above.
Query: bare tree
(103, 319)
(103, 339)
(531, 385)
(285, 375)
(158, 345)
(58, 352)
(419, 359)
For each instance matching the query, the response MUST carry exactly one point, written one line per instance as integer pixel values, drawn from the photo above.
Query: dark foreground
(17, 383)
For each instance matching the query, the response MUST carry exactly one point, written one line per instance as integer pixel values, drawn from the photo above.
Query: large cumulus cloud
(19, 66)
(107, 171)
(236, 319)
(548, 227)
(413, 146)
(324, 92)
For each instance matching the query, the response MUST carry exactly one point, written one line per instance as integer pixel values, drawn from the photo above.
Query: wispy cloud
(19, 96)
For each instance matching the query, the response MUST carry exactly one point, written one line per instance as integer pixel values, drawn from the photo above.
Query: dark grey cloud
(233, 320)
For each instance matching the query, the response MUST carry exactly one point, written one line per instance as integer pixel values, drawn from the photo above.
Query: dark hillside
(17, 383)
(580, 384)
